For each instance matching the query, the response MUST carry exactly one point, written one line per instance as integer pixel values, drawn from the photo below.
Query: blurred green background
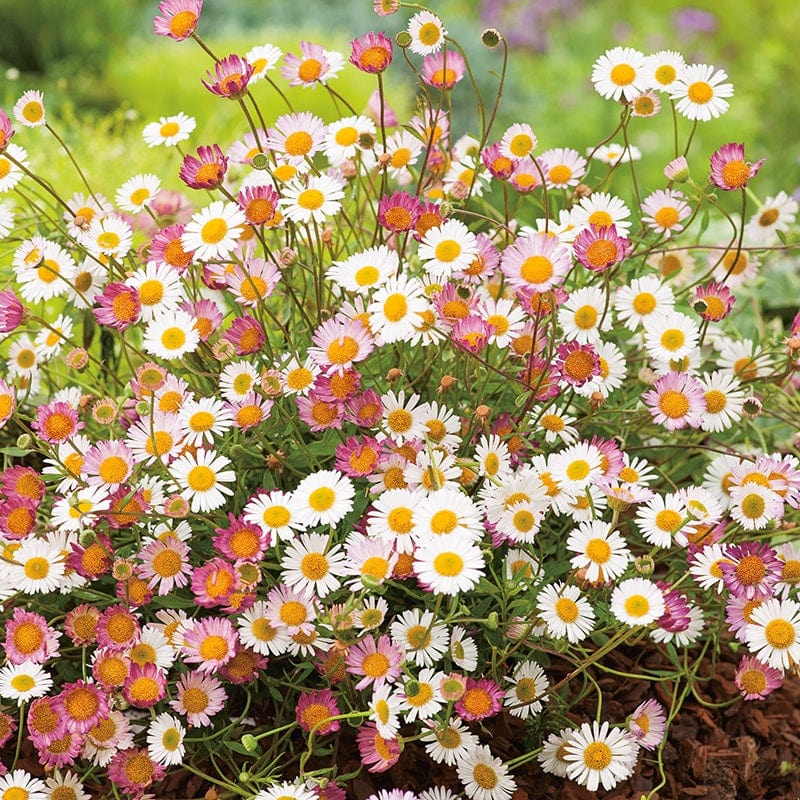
(105, 75)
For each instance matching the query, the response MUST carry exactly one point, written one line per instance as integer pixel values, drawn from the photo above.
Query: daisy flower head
(314, 65)
(646, 104)
(518, 141)
(662, 69)
(641, 300)
(565, 612)
(602, 210)
(670, 336)
(230, 77)
(137, 192)
(754, 506)
(206, 170)
(6, 130)
(713, 301)
(664, 210)
(448, 564)
(700, 92)
(396, 309)
(619, 74)
(339, 344)
(774, 633)
(351, 138)
(536, 261)
(449, 744)
(485, 777)
(578, 364)
(319, 197)
(365, 270)
(201, 478)
(598, 754)
(263, 58)
(323, 498)
(729, 170)
(637, 601)
(21, 784)
(443, 70)
(371, 53)
(29, 109)
(602, 554)
(56, 422)
(376, 662)
(774, 217)
(724, 401)
(11, 171)
(311, 565)
(446, 248)
(24, 681)
(576, 466)
(563, 167)
(108, 235)
(528, 691)
(750, 570)
(214, 232)
(583, 316)
(648, 724)
(171, 334)
(677, 400)
(755, 680)
(178, 18)
(427, 33)
(45, 273)
(168, 131)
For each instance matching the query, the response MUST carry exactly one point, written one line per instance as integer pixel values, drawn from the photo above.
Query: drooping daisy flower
(179, 18)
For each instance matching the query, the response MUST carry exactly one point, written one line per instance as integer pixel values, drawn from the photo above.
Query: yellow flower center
(429, 34)
(311, 199)
(448, 564)
(343, 351)
(586, 317)
(700, 92)
(666, 217)
(322, 499)
(736, 174)
(298, 143)
(780, 633)
(665, 74)
(673, 404)
(536, 269)
(309, 70)
(214, 231)
(637, 605)
(566, 609)
(443, 521)
(597, 755)
(598, 550)
(201, 478)
(623, 75)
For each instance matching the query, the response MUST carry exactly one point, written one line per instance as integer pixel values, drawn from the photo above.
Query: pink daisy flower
(229, 78)
(6, 130)
(729, 170)
(119, 306)
(7, 727)
(253, 281)
(648, 723)
(22, 481)
(755, 680)
(357, 456)
(577, 363)
(542, 378)
(260, 206)
(210, 643)
(178, 18)
(81, 705)
(377, 754)
(365, 410)
(676, 400)
(213, 582)
(377, 663)
(198, 697)
(207, 170)
(319, 414)
(314, 65)
(165, 564)
(44, 722)
(443, 70)
(145, 685)
(713, 302)
(246, 335)
(471, 333)
(537, 262)
(600, 248)
(62, 751)
(80, 624)
(315, 707)
(167, 248)
(398, 212)
(117, 628)
(108, 463)
(482, 698)
(29, 638)
(12, 312)
(484, 265)
(241, 541)
(340, 343)
(133, 770)
(17, 518)
(207, 314)
(738, 613)
(664, 210)
(371, 53)
(291, 610)
(676, 616)
(499, 165)
(751, 570)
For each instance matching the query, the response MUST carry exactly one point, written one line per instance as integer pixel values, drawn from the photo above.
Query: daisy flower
(599, 249)
(45, 273)
(754, 506)
(323, 498)
(774, 217)
(204, 419)
(423, 638)
(537, 261)
(214, 232)
(529, 686)
(165, 740)
(598, 754)
(29, 109)
(420, 697)
(391, 518)
(565, 612)
(137, 192)
(584, 316)
(171, 334)
(557, 426)
(340, 343)
(648, 724)
(449, 744)
(158, 288)
(750, 570)
(109, 236)
(518, 141)
(447, 511)
(311, 565)
(447, 564)
(403, 420)
(24, 681)
(637, 601)
(35, 566)
(724, 400)
(376, 662)
(314, 65)
(168, 131)
(662, 69)
(755, 680)
(447, 248)
(403, 150)
(427, 33)
(729, 170)
(505, 319)
(201, 478)
(619, 74)
(396, 308)
(602, 554)
(551, 758)
(315, 200)
(774, 633)
(371, 53)
(664, 210)
(20, 784)
(11, 171)
(485, 777)
(699, 91)
(365, 270)
(676, 401)
(262, 59)
(670, 336)
(577, 465)
(577, 364)
(602, 210)
(314, 708)
(198, 697)
(179, 18)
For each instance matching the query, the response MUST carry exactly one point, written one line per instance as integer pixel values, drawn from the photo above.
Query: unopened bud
(223, 350)
(86, 538)
(491, 38)
(644, 565)
(24, 441)
(121, 569)
(348, 169)
(287, 256)
(403, 39)
(327, 236)
(211, 794)
(77, 358)
(176, 507)
(249, 743)
(647, 375)
(751, 407)
(596, 400)
(582, 190)
(493, 621)
(244, 777)
(274, 462)
(259, 161)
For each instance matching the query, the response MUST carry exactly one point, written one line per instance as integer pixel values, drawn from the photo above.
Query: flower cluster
(390, 432)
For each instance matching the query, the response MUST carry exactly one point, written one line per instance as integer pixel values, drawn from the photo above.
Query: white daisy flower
(619, 74)
(565, 612)
(214, 232)
(598, 754)
(171, 334)
(311, 565)
(448, 564)
(447, 248)
(601, 552)
(318, 198)
(449, 744)
(168, 131)
(35, 566)
(670, 336)
(420, 697)
(528, 691)
(584, 315)
(641, 300)
(165, 740)
(24, 682)
(137, 192)
(485, 777)
(366, 270)
(637, 601)
(396, 308)
(423, 639)
(427, 33)
(774, 633)
(323, 498)
(202, 478)
(700, 92)
(159, 289)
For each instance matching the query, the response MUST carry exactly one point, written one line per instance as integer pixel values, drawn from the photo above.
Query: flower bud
(491, 37)
(249, 743)
(259, 161)
(77, 358)
(403, 39)
(482, 411)
(677, 170)
(24, 441)
(644, 565)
